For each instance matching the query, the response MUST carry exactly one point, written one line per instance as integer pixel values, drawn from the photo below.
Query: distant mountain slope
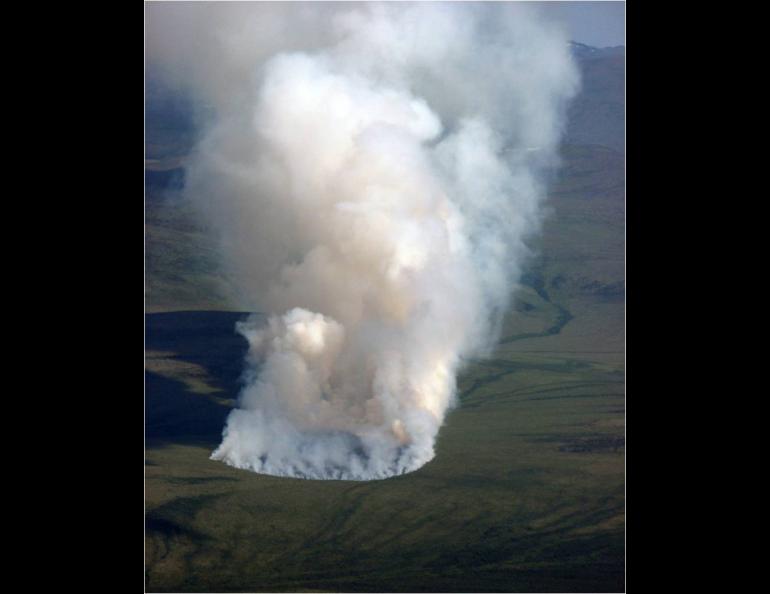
(597, 114)
(169, 119)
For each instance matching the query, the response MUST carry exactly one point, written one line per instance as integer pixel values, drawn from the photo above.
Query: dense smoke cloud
(373, 173)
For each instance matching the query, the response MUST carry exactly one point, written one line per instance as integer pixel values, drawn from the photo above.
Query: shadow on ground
(206, 339)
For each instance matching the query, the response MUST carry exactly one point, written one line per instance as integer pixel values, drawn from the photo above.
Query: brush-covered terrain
(526, 492)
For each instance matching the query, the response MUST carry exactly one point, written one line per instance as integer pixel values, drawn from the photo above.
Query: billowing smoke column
(373, 174)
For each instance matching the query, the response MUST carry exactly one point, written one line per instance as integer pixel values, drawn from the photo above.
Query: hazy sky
(600, 24)
(596, 23)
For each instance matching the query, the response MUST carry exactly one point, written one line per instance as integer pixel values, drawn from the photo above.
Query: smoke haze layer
(373, 172)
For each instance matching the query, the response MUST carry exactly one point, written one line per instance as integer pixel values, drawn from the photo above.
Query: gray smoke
(373, 172)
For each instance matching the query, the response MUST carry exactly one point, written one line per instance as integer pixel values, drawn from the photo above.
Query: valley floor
(526, 492)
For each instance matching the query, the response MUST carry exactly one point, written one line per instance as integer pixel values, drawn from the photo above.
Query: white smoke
(369, 170)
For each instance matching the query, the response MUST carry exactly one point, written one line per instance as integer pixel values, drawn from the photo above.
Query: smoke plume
(373, 172)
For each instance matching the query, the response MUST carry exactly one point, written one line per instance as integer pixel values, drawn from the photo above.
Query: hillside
(597, 115)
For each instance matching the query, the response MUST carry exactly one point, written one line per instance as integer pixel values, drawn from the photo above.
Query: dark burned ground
(526, 491)
(194, 362)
